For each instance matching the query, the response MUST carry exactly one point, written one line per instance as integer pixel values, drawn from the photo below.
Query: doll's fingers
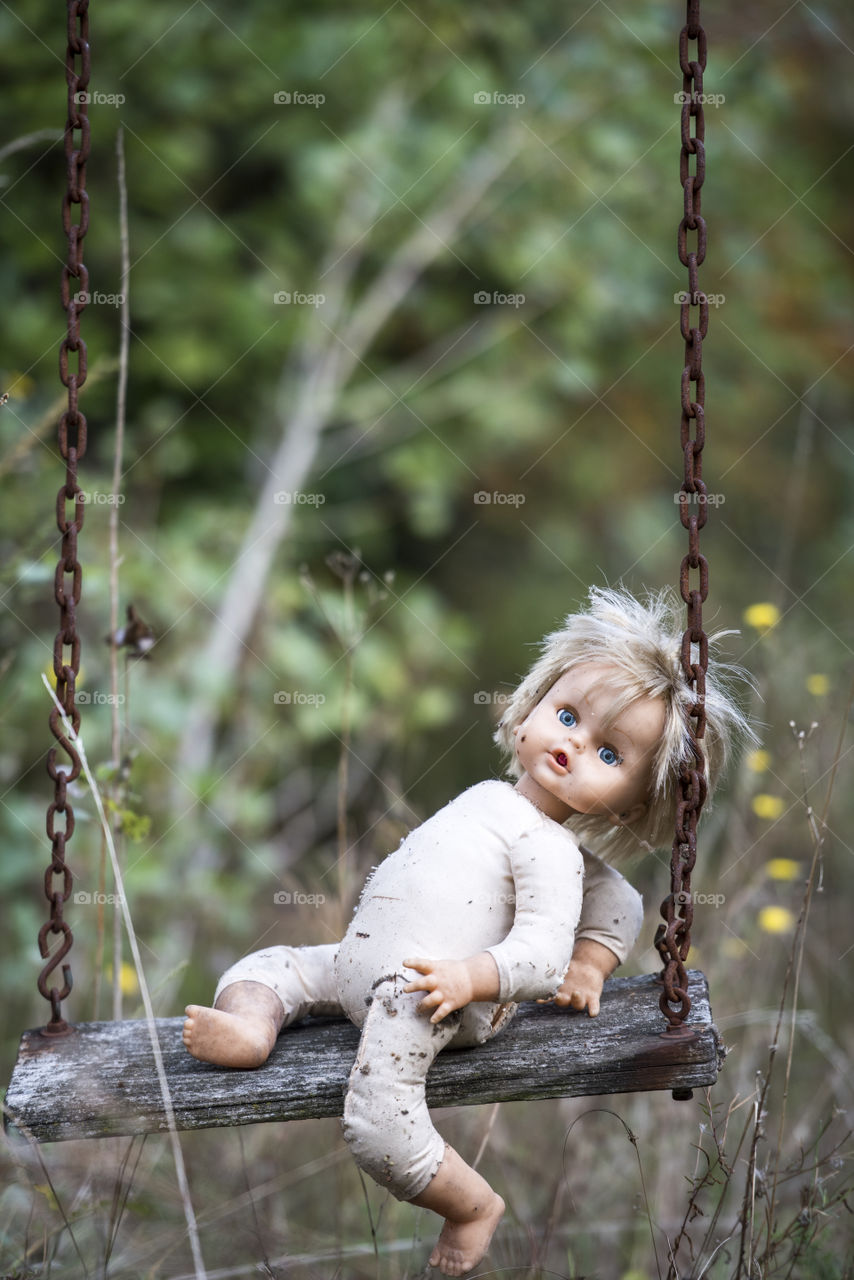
(428, 1005)
(580, 1002)
(571, 1000)
(432, 998)
(435, 998)
(425, 982)
(420, 964)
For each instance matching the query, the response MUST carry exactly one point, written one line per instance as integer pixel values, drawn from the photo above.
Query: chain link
(673, 939)
(68, 577)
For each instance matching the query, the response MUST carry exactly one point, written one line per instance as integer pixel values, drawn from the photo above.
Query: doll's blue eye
(566, 717)
(608, 755)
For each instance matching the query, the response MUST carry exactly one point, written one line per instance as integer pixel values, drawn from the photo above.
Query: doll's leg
(480, 1022)
(386, 1122)
(471, 1209)
(258, 996)
(302, 977)
(389, 1130)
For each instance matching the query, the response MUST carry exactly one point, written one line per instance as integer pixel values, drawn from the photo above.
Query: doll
(493, 900)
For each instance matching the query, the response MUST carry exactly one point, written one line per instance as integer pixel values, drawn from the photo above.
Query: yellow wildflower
(776, 920)
(762, 616)
(128, 980)
(818, 685)
(769, 807)
(783, 868)
(758, 761)
(20, 386)
(128, 983)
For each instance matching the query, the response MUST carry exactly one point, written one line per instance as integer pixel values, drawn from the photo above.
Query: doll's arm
(611, 910)
(548, 877)
(611, 918)
(452, 984)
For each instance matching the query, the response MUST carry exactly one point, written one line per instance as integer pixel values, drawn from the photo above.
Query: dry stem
(177, 1154)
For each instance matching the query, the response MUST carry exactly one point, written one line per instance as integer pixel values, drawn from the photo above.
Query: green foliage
(563, 410)
(136, 826)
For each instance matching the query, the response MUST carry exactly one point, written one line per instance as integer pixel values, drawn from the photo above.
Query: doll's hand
(447, 981)
(452, 984)
(591, 964)
(581, 988)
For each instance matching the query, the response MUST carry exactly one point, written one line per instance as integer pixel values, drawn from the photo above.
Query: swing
(106, 1078)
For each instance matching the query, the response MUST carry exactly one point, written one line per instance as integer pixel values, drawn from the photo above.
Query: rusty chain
(673, 939)
(72, 446)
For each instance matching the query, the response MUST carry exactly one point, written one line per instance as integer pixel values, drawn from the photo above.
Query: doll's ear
(631, 815)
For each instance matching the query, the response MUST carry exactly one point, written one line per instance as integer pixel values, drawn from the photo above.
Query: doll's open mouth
(561, 758)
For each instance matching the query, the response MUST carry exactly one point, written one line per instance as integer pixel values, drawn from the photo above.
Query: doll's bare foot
(240, 1031)
(462, 1245)
(471, 1209)
(227, 1039)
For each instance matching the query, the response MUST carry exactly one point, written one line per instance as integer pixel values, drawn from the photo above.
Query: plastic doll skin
(240, 1031)
(574, 761)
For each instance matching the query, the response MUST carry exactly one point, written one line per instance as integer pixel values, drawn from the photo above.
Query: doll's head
(640, 644)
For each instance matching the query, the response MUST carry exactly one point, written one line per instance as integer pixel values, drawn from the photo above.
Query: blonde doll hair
(641, 641)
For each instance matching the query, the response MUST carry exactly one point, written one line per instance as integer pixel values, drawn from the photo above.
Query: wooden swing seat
(100, 1079)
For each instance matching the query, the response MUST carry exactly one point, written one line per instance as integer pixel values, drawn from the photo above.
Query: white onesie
(488, 872)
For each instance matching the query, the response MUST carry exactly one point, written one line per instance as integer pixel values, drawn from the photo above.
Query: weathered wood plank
(101, 1079)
